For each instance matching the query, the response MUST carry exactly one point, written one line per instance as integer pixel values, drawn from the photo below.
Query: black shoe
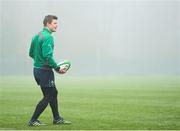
(35, 123)
(60, 121)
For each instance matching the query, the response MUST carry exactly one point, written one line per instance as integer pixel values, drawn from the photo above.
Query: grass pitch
(106, 103)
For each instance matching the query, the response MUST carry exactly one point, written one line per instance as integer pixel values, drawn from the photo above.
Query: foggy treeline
(99, 37)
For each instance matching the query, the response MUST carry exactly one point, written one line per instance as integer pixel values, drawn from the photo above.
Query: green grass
(106, 103)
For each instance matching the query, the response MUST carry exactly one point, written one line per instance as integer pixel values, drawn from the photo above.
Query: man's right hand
(62, 71)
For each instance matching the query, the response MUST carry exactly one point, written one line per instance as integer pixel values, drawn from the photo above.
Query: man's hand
(62, 71)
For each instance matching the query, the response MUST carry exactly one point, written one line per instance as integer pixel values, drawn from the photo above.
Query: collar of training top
(46, 29)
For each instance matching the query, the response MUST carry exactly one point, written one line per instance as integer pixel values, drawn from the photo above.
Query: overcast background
(100, 38)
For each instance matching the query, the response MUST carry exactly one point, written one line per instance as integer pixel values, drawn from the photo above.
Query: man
(41, 50)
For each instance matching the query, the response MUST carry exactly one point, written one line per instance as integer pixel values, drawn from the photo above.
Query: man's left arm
(31, 49)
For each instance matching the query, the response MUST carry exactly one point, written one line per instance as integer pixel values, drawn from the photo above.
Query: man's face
(52, 26)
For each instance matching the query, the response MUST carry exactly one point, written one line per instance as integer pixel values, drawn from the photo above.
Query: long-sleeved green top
(41, 50)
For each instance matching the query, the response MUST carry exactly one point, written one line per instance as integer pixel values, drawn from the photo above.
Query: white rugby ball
(65, 65)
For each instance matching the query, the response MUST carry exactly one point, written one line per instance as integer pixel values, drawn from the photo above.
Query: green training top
(41, 50)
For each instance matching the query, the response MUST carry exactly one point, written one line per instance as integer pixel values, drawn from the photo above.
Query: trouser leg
(50, 96)
(40, 108)
(53, 102)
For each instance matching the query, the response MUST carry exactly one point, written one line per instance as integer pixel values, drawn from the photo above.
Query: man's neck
(48, 29)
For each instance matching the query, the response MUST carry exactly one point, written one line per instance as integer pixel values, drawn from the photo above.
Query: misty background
(100, 38)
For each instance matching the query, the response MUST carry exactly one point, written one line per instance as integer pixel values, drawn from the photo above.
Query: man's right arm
(47, 51)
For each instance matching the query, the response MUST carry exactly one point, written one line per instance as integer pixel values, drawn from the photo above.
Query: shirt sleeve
(47, 51)
(31, 49)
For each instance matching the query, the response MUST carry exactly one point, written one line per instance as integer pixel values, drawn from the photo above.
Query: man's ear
(48, 24)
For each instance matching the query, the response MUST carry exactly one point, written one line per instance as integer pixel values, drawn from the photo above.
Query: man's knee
(48, 98)
(50, 93)
(43, 102)
(55, 92)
